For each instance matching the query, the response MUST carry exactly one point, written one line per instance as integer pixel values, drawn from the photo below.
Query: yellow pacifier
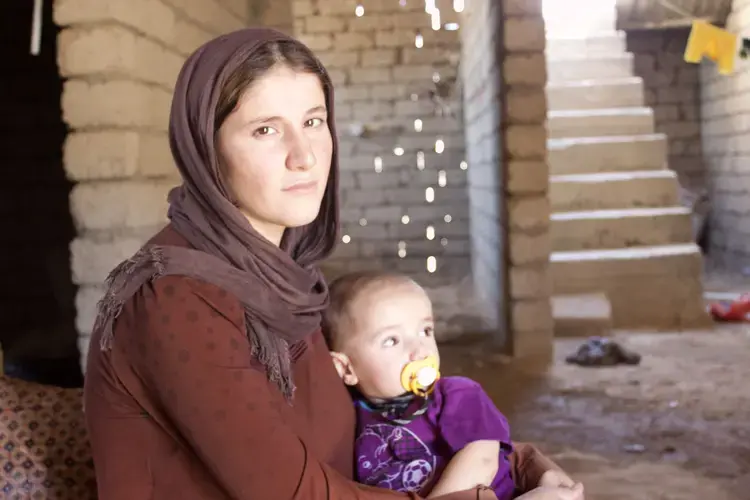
(420, 376)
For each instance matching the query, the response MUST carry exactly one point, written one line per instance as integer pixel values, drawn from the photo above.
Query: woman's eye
(314, 122)
(264, 131)
(427, 332)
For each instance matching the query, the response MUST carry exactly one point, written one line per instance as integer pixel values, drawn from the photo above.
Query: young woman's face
(275, 150)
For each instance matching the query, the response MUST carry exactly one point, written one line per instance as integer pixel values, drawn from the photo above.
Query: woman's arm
(528, 465)
(222, 404)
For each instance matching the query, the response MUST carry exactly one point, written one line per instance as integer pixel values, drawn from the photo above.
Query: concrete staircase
(617, 226)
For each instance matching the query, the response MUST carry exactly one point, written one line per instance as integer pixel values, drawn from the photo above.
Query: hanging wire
(36, 28)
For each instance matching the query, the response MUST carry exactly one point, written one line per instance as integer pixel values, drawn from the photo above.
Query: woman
(208, 377)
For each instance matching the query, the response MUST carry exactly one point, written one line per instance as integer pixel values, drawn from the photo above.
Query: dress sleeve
(200, 372)
(528, 464)
(468, 414)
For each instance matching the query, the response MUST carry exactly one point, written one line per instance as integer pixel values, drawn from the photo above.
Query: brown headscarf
(282, 289)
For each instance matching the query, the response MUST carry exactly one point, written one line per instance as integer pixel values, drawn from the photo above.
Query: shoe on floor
(598, 351)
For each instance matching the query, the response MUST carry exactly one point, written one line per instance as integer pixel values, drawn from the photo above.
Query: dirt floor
(677, 427)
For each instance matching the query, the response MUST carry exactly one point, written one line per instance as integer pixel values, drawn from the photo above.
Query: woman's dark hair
(290, 53)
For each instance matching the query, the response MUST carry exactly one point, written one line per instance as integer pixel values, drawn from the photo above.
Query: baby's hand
(554, 493)
(475, 465)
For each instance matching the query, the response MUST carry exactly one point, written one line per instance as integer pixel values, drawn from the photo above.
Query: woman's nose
(301, 156)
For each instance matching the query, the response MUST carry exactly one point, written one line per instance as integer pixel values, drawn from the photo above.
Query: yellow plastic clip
(714, 43)
(420, 376)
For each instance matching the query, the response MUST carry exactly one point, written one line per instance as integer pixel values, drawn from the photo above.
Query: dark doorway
(37, 297)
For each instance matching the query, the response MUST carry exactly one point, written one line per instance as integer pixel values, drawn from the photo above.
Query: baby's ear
(344, 368)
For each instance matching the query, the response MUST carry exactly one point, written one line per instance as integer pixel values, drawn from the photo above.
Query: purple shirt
(411, 457)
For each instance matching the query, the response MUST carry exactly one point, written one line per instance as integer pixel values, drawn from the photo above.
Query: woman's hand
(476, 464)
(554, 493)
(556, 478)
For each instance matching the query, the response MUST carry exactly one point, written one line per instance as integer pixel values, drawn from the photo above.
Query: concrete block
(610, 229)
(384, 214)
(242, 8)
(324, 24)
(525, 69)
(156, 19)
(112, 205)
(359, 76)
(585, 315)
(531, 315)
(209, 13)
(87, 298)
(115, 103)
(92, 261)
(526, 105)
(522, 7)
(644, 189)
(607, 154)
(353, 41)
(594, 94)
(528, 282)
(528, 212)
(526, 142)
(600, 122)
(379, 57)
(649, 287)
(151, 17)
(187, 37)
(529, 247)
(117, 154)
(115, 49)
(535, 348)
(528, 177)
(317, 41)
(524, 34)
(603, 44)
(590, 68)
(339, 59)
(370, 22)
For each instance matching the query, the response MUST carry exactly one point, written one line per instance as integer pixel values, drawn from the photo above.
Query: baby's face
(391, 325)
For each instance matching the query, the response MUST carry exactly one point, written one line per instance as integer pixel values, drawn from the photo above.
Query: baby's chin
(380, 393)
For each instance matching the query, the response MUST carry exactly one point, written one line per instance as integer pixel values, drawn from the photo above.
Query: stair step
(613, 229)
(584, 315)
(600, 122)
(590, 68)
(654, 287)
(579, 155)
(604, 44)
(592, 94)
(614, 190)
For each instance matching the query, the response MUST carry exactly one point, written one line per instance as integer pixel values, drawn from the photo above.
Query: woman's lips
(302, 187)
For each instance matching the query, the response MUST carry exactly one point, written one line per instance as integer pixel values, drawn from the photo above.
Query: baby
(417, 432)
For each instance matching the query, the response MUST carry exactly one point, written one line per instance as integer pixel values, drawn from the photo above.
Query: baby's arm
(474, 465)
(474, 430)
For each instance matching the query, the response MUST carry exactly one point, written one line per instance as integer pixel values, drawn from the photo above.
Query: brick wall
(725, 117)
(382, 80)
(274, 14)
(505, 115)
(120, 59)
(672, 89)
